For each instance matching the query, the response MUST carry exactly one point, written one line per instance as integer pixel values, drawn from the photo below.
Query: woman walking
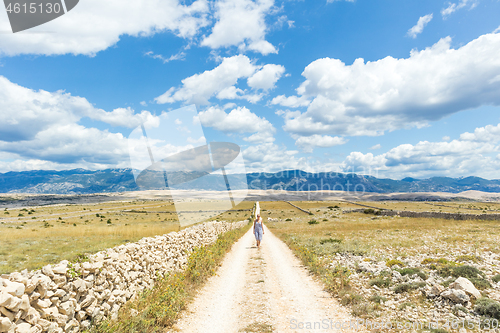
(258, 229)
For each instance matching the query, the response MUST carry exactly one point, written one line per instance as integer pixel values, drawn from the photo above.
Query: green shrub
(108, 221)
(468, 257)
(413, 270)
(393, 262)
(380, 282)
(350, 298)
(406, 287)
(496, 278)
(480, 283)
(288, 220)
(377, 299)
(330, 240)
(362, 310)
(488, 307)
(441, 261)
(369, 211)
(465, 271)
(313, 222)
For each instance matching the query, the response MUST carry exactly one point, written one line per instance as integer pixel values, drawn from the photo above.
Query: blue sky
(388, 88)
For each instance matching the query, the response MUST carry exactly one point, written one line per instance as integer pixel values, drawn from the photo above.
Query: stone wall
(436, 215)
(68, 297)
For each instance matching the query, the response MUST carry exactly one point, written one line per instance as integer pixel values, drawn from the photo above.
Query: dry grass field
(369, 233)
(35, 236)
(387, 265)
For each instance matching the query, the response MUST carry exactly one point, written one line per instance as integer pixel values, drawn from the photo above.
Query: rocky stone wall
(437, 215)
(68, 297)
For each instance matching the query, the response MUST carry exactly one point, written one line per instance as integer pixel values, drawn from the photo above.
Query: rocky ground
(426, 287)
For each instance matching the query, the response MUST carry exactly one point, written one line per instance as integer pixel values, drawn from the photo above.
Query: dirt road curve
(257, 289)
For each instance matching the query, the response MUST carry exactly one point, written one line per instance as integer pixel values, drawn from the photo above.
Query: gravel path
(261, 290)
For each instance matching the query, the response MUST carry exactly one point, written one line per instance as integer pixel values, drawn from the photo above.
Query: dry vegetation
(32, 237)
(334, 244)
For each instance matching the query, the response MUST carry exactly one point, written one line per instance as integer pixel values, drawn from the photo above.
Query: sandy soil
(259, 288)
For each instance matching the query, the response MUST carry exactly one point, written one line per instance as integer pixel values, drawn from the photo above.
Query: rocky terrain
(68, 297)
(80, 181)
(426, 288)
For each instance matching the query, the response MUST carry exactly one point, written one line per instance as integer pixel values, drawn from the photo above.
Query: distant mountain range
(80, 181)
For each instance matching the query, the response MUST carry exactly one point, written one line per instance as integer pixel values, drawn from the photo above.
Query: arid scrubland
(400, 270)
(32, 237)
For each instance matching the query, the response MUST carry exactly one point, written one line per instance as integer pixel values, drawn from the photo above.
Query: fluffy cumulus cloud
(94, 25)
(267, 77)
(41, 128)
(453, 7)
(238, 120)
(308, 143)
(241, 23)
(290, 101)
(369, 98)
(221, 82)
(472, 154)
(419, 27)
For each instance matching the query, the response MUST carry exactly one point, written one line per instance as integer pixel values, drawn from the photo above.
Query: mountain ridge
(81, 181)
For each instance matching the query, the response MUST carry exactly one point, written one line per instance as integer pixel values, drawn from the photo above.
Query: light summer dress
(258, 230)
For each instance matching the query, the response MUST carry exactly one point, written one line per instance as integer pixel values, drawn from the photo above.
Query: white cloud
(419, 27)
(199, 88)
(267, 77)
(308, 143)
(94, 25)
(453, 7)
(291, 101)
(241, 23)
(238, 120)
(488, 133)
(474, 154)
(375, 147)
(178, 56)
(221, 82)
(373, 97)
(42, 128)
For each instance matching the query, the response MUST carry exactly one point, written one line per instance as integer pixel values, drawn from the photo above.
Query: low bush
(413, 270)
(496, 278)
(313, 222)
(488, 308)
(377, 299)
(380, 282)
(480, 284)
(406, 287)
(363, 310)
(393, 262)
(330, 240)
(465, 271)
(350, 298)
(468, 257)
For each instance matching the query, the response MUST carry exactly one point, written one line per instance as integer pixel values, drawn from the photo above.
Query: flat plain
(31, 237)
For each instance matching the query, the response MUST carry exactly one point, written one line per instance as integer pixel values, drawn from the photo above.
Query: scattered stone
(464, 284)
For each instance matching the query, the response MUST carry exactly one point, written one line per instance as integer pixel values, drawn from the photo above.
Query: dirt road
(262, 290)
